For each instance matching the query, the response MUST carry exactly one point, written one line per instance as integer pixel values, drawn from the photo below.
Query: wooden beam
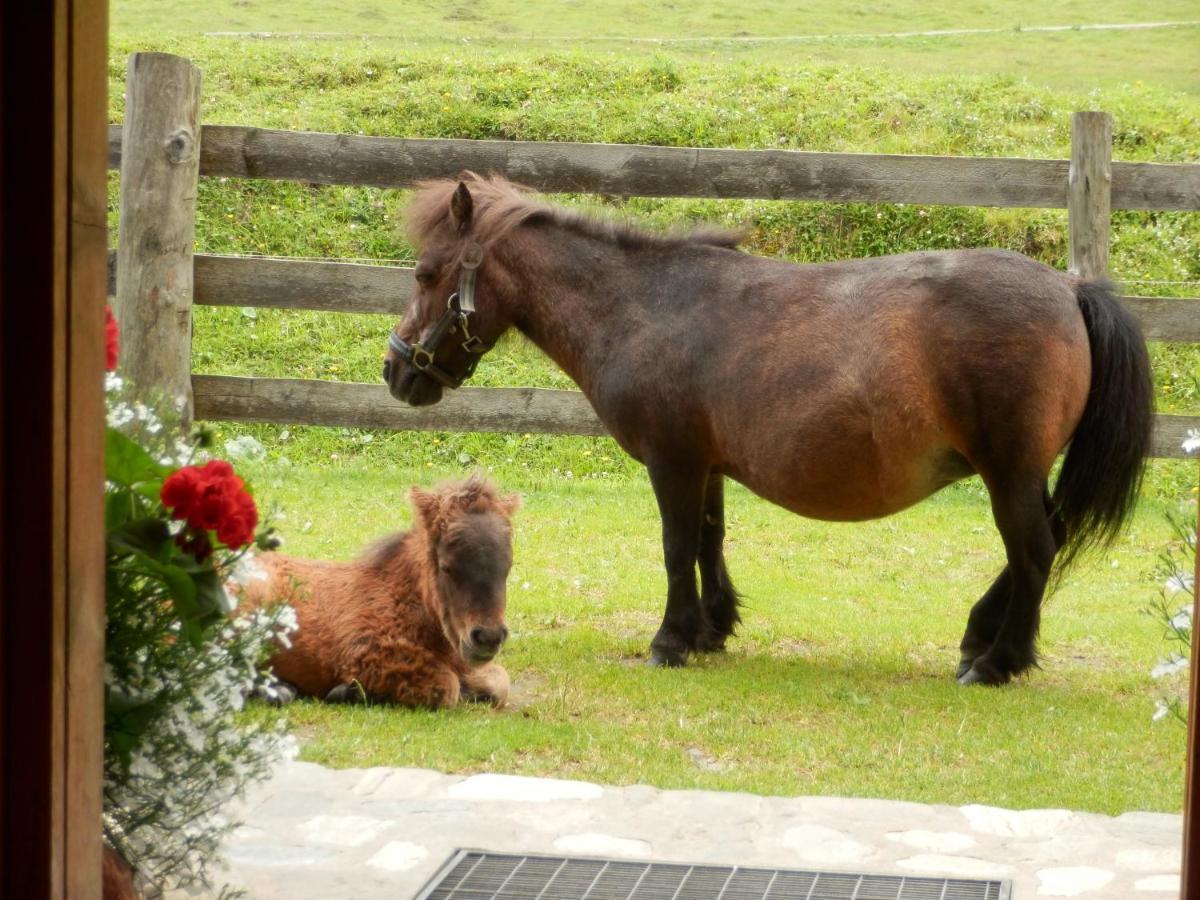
(297, 401)
(159, 169)
(632, 170)
(310, 402)
(1167, 318)
(1089, 193)
(302, 284)
(356, 288)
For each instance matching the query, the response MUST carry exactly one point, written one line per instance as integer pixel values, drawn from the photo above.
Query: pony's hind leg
(718, 599)
(679, 490)
(1030, 544)
(988, 613)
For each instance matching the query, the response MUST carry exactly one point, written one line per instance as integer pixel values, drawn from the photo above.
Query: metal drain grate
(479, 875)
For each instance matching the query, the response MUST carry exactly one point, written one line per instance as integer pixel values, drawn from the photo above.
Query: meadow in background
(850, 630)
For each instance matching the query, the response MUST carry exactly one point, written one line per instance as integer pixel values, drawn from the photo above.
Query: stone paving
(381, 833)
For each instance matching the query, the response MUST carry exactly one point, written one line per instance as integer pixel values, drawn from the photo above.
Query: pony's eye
(424, 275)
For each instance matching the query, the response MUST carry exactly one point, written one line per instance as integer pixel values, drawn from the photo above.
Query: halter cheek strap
(455, 319)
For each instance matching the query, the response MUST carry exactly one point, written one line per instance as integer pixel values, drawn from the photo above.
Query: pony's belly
(856, 485)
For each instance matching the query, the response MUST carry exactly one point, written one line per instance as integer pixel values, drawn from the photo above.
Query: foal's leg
(1029, 541)
(988, 613)
(679, 490)
(718, 599)
(488, 683)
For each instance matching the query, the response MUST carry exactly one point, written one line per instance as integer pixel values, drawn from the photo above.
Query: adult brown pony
(415, 620)
(840, 391)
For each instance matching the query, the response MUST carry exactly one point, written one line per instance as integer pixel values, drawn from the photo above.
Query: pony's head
(468, 531)
(453, 318)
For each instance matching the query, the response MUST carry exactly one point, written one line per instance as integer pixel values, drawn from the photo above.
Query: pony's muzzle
(484, 642)
(408, 385)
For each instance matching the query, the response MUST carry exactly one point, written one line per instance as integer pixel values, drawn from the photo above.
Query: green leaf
(119, 508)
(126, 462)
(148, 536)
(210, 597)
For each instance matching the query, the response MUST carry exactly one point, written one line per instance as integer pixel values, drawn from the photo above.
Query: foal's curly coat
(414, 620)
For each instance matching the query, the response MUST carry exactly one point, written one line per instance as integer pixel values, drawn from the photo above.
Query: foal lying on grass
(415, 620)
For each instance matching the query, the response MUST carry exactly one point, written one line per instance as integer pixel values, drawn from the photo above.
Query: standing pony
(841, 391)
(416, 620)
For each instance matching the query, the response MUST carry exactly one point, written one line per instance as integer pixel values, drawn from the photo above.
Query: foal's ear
(462, 206)
(510, 503)
(427, 506)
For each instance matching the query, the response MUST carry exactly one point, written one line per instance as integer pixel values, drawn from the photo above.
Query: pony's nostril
(488, 638)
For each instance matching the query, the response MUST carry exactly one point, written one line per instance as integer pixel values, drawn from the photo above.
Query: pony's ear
(427, 506)
(510, 503)
(462, 206)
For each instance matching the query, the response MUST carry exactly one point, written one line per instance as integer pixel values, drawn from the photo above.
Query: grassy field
(840, 682)
(819, 33)
(850, 630)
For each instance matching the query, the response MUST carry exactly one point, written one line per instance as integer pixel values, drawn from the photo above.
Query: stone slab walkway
(381, 833)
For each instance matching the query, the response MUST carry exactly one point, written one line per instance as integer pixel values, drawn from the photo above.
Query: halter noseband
(456, 318)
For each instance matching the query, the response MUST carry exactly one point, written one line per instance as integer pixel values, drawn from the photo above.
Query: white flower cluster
(138, 420)
(193, 754)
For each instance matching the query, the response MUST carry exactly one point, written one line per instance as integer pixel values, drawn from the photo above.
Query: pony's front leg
(406, 673)
(488, 683)
(679, 489)
(718, 599)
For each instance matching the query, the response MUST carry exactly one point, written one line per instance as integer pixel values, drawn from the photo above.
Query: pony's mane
(453, 499)
(501, 205)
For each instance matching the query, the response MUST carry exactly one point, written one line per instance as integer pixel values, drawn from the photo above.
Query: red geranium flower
(212, 498)
(111, 341)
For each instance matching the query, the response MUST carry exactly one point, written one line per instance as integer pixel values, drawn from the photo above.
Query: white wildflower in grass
(1179, 583)
(1175, 664)
(1192, 442)
(245, 448)
(1177, 564)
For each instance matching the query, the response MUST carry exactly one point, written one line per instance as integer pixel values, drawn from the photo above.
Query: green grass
(850, 630)
(723, 33)
(840, 682)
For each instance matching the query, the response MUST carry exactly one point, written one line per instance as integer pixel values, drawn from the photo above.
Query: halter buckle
(421, 358)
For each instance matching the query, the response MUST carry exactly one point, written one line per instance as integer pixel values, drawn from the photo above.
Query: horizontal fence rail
(357, 288)
(297, 401)
(629, 170)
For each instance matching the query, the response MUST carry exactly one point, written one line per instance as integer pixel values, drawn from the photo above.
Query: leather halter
(455, 320)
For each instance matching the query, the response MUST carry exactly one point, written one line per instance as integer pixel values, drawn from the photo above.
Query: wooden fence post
(160, 165)
(1089, 193)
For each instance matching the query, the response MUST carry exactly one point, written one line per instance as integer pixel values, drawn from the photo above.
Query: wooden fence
(162, 146)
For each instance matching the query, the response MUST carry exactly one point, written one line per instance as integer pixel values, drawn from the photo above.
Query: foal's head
(469, 536)
(453, 318)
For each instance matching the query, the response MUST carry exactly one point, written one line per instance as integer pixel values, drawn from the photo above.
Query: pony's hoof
(981, 672)
(663, 658)
(964, 666)
(346, 693)
(712, 642)
(279, 694)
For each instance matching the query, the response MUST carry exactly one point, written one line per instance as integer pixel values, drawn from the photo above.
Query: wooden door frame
(53, 118)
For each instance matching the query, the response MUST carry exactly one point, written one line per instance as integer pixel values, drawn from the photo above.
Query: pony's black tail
(1102, 472)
